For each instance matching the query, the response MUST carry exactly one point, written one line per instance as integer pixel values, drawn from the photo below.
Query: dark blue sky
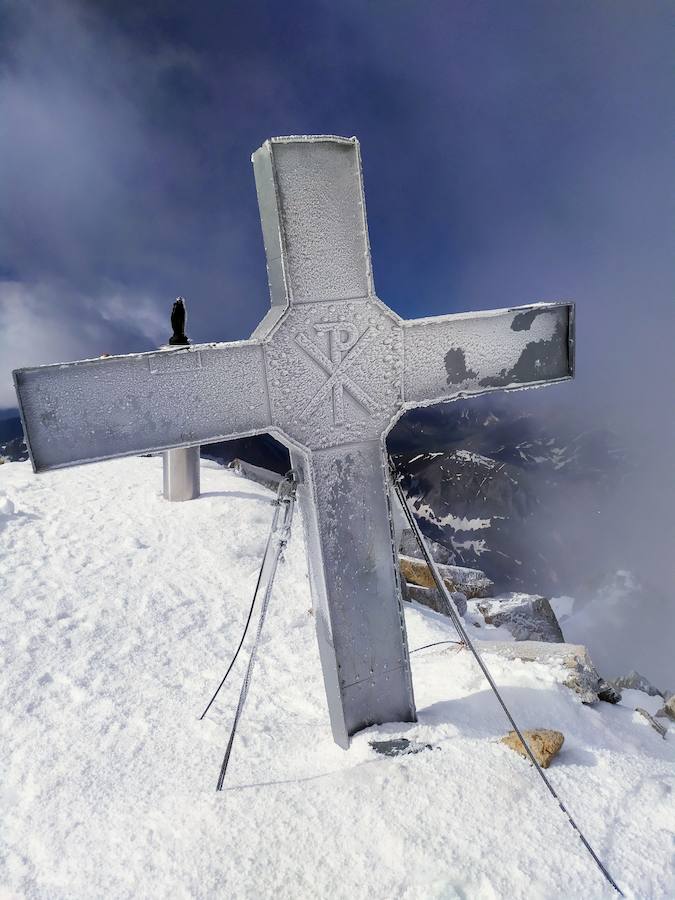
(513, 152)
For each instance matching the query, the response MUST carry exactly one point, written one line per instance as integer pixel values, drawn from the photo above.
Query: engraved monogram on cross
(345, 345)
(328, 371)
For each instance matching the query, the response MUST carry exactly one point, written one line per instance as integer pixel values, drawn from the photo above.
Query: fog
(511, 154)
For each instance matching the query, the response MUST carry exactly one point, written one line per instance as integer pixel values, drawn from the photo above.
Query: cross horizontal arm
(473, 353)
(123, 405)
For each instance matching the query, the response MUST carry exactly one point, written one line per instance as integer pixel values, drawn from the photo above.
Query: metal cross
(328, 371)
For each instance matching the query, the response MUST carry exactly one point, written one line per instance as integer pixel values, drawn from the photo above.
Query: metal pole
(181, 466)
(181, 474)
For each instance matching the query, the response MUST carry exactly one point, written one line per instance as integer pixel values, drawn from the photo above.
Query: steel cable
(467, 640)
(279, 537)
(250, 611)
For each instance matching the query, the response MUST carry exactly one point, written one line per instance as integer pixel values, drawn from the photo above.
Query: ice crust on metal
(122, 405)
(313, 218)
(328, 372)
(335, 372)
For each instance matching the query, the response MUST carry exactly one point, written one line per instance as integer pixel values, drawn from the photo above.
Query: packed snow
(424, 511)
(120, 614)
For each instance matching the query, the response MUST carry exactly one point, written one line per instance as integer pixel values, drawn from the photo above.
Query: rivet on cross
(328, 371)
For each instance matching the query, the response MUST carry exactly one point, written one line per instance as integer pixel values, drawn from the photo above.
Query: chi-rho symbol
(344, 345)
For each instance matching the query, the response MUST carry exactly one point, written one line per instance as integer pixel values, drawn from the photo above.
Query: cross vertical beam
(328, 334)
(356, 587)
(313, 217)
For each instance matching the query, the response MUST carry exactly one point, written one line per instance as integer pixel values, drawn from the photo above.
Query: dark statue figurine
(178, 316)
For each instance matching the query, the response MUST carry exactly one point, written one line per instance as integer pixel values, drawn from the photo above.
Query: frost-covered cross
(328, 371)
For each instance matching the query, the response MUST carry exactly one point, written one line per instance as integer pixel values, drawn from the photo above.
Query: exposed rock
(471, 582)
(527, 617)
(431, 597)
(668, 709)
(636, 682)
(409, 547)
(583, 677)
(544, 743)
(519, 473)
(657, 726)
(608, 692)
(398, 747)
(14, 450)
(416, 571)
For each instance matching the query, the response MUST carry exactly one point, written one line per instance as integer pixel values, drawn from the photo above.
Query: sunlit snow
(120, 613)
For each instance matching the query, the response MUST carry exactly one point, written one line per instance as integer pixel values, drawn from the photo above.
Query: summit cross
(328, 372)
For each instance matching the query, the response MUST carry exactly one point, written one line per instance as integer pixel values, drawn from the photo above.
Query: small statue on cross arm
(178, 316)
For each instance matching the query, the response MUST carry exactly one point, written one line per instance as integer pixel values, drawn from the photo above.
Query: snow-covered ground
(119, 615)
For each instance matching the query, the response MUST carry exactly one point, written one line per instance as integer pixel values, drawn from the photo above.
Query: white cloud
(41, 324)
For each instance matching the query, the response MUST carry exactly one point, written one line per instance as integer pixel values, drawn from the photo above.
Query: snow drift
(120, 613)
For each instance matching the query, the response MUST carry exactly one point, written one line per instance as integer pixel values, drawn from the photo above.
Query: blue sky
(513, 152)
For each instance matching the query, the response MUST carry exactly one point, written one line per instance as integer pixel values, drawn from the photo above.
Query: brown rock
(668, 709)
(471, 582)
(416, 571)
(544, 744)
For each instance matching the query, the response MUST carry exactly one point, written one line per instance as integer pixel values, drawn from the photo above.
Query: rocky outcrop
(419, 585)
(527, 617)
(544, 743)
(657, 726)
(408, 546)
(470, 582)
(581, 675)
(668, 709)
(431, 598)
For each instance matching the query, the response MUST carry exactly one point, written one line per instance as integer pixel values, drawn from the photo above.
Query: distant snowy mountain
(499, 489)
(12, 446)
